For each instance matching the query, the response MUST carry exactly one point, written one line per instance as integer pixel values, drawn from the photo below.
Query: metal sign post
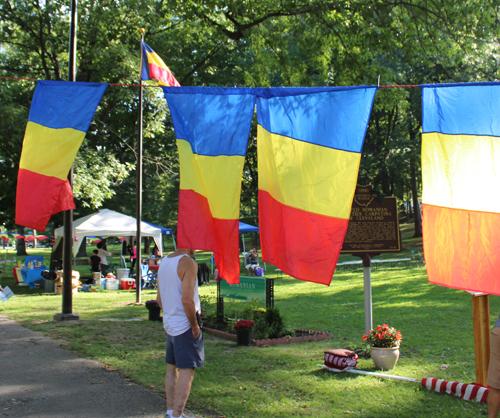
(373, 229)
(367, 286)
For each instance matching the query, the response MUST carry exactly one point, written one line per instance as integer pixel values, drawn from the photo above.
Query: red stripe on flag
(39, 197)
(442, 386)
(303, 245)
(197, 229)
(461, 248)
(433, 384)
(475, 389)
(162, 74)
(484, 395)
(453, 389)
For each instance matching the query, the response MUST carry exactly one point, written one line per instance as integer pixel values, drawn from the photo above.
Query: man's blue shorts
(184, 351)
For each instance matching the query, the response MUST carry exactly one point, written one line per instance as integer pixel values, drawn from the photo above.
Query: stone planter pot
(154, 314)
(244, 337)
(385, 358)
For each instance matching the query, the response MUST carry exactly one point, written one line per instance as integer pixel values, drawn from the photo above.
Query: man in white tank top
(178, 298)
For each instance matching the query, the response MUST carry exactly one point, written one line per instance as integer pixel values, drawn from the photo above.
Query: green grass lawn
(285, 381)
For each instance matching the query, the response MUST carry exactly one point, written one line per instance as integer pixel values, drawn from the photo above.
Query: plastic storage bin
(112, 284)
(122, 273)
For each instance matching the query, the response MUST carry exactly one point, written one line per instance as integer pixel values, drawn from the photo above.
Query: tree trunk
(21, 244)
(416, 203)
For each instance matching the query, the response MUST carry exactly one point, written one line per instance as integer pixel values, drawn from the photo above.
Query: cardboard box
(75, 282)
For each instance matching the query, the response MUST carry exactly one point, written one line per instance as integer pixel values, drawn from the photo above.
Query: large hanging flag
(461, 180)
(60, 116)
(309, 146)
(212, 126)
(153, 67)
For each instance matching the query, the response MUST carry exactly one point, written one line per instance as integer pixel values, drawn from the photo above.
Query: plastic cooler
(127, 284)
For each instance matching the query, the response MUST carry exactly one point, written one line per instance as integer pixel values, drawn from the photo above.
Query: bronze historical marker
(373, 224)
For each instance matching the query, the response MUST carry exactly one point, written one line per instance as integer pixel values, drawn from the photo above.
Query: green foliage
(268, 322)
(383, 336)
(220, 43)
(95, 174)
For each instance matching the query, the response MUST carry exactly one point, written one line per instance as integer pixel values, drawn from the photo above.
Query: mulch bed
(301, 335)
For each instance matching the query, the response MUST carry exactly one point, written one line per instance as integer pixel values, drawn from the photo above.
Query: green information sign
(248, 288)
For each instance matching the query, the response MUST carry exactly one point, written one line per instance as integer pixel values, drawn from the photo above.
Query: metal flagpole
(67, 295)
(138, 261)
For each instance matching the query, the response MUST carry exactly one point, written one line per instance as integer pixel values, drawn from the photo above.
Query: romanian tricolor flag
(60, 116)
(153, 67)
(212, 126)
(309, 145)
(461, 183)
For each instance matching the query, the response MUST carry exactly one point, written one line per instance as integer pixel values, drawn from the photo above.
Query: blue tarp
(164, 231)
(244, 228)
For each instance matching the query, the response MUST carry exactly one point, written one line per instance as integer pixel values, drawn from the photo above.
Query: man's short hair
(95, 252)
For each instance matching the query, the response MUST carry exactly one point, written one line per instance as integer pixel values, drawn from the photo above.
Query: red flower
(380, 336)
(244, 324)
(365, 337)
(379, 328)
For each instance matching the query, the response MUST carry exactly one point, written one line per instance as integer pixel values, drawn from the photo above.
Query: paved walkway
(38, 379)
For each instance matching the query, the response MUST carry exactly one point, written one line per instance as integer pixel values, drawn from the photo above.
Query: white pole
(367, 293)
(385, 376)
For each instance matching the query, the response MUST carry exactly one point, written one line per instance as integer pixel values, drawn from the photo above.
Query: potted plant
(384, 342)
(154, 310)
(243, 330)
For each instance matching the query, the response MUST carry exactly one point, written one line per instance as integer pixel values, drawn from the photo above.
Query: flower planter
(154, 310)
(244, 337)
(314, 336)
(154, 314)
(385, 358)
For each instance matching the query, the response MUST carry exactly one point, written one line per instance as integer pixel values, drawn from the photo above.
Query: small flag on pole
(153, 68)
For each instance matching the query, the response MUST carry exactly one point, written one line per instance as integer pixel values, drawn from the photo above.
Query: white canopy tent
(108, 223)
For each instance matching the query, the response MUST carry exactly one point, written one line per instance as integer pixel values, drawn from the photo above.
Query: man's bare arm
(158, 297)
(188, 270)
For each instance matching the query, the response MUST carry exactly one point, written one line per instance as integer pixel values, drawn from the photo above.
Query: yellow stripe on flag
(154, 58)
(217, 178)
(305, 176)
(461, 171)
(48, 151)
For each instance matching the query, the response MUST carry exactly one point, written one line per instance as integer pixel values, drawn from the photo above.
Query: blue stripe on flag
(65, 104)
(335, 119)
(472, 109)
(214, 121)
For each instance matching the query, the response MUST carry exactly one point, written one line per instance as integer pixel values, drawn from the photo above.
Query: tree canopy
(239, 43)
